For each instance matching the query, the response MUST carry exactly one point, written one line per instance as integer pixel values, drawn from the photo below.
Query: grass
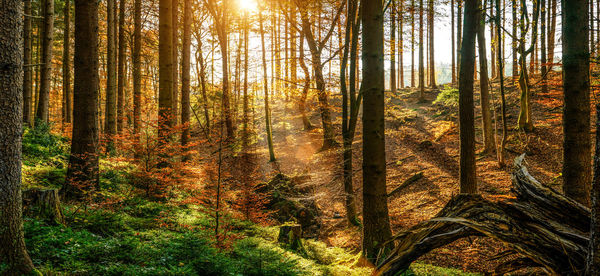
(138, 236)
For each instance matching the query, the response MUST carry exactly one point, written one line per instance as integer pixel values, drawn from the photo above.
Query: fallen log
(541, 225)
(414, 178)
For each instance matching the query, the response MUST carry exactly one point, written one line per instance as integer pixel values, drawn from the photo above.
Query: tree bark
(110, 121)
(467, 172)
(12, 244)
(576, 113)
(543, 54)
(430, 25)
(42, 113)
(82, 174)
(266, 88)
(28, 70)
(165, 67)
(453, 42)
(593, 257)
(489, 143)
(376, 226)
(185, 71)
(121, 73)
(175, 48)
(393, 47)
(421, 55)
(137, 63)
(67, 112)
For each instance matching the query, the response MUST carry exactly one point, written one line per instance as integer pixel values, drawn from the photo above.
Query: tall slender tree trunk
(246, 110)
(165, 68)
(421, 55)
(453, 42)
(489, 143)
(137, 63)
(175, 48)
(42, 113)
(185, 71)
(82, 174)
(67, 65)
(543, 54)
(551, 32)
(493, 41)
(459, 30)
(500, 61)
(467, 172)
(304, 95)
(576, 114)
(110, 121)
(515, 39)
(393, 47)
(401, 44)
(593, 257)
(431, 26)
(376, 227)
(27, 59)
(13, 253)
(266, 88)
(412, 44)
(121, 73)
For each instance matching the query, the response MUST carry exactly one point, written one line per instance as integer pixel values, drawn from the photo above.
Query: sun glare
(247, 5)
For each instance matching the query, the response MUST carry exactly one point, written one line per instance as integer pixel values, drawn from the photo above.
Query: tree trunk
(453, 41)
(165, 67)
(376, 224)
(27, 58)
(459, 30)
(543, 56)
(137, 63)
(500, 61)
(43, 204)
(551, 32)
(515, 39)
(12, 244)
(576, 113)
(82, 174)
(412, 44)
(401, 44)
(67, 65)
(468, 177)
(175, 47)
(42, 113)
(266, 88)
(305, 87)
(246, 110)
(593, 257)
(185, 71)
(421, 55)
(110, 121)
(430, 25)
(393, 47)
(121, 69)
(489, 143)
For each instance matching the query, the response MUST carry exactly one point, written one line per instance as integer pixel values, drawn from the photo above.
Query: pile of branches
(543, 228)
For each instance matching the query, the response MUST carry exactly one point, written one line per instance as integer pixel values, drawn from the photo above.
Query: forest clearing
(299, 137)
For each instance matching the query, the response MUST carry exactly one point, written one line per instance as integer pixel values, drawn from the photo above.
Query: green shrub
(448, 97)
(40, 146)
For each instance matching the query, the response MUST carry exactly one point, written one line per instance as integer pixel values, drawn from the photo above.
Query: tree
(376, 229)
(350, 104)
(316, 46)
(576, 112)
(266, 88)
(486, 115)
(175, 32)
(393, 47)
(67, 112)
(467, 172)
(593, 257)
(453, 42)
(220, 14)
(110, 121)
(12, 250)
(165, 68)
(42, 111)
(430, 26)
(137, 63)
(500, 61)
(27, 74)
(82, 174)
(421, 65)
(525, 122)
(185, 71)
(543, 54)
(121, 72)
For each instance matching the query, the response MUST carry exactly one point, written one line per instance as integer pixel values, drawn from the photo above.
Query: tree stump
(291, 234)
(44, 204)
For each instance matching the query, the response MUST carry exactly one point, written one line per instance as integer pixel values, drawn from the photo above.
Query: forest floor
(420, 138)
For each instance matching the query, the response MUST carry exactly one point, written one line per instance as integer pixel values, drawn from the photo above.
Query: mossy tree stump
(44, 204)
(291, 235)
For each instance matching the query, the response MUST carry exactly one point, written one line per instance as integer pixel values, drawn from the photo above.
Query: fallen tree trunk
(544, 227)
